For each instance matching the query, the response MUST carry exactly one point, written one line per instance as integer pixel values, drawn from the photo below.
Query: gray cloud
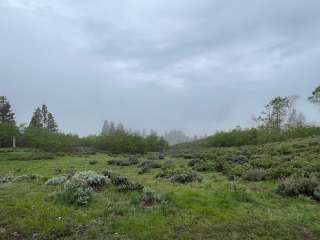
(198, 66)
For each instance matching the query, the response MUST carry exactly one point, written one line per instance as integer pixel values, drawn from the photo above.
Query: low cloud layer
(198, 65)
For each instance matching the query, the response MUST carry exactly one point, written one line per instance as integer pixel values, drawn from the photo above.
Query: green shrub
(29, 177)
(6, 179)
(316, 193)
(75, 192)
(78, 189)
(124, 162)
(255, 175)
(91, 179)
(180, 176)
(284, 149)
(194, 162)
(150, 197)
(56, 181)
(122, 183)
(93, 162)
(295, 185)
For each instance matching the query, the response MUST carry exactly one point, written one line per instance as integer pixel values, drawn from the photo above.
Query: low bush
(150, 197)
(180, 176)
(91, 179)
(203, 167)
(56, 181)
(78, 189)
(284, 149)
(122, 183)
(124, 162)
(255, 175)
(28, 177)
(93, 162)
(296, 185)
(146, 166)
(194, 162)
(75, 192)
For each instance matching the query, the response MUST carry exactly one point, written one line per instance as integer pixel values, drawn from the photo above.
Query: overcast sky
(194, 65)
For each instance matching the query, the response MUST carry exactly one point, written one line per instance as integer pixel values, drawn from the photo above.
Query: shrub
(91, 179)
(180, 176)
(296, 185)
(5, 179)
(203, 167)
(122, 183)
(220, 166)
(316, 193)
(124, 162)
(240, 159)
(150, 197)
(93, 162)
(186, 177)
(254, 175)
(284, 149)
(29, 177)
(75, 192)
(56, 181)
(78, 189)
(194, 162)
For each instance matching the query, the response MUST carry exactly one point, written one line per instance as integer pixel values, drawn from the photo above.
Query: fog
(198, 65)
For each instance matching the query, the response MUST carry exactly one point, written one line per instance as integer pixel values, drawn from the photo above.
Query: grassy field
(222, 206)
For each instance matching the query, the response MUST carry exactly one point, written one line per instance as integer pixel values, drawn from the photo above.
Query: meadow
(213, 193)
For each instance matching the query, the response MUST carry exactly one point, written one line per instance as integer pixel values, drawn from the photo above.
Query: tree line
(42, 133)
(279, 121)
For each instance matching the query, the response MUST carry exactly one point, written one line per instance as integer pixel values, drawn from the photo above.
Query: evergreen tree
(42, 118)
(315, 98)
(105, 128)
(44, 112)
(37, 119)
(6, 114)
(52, 125)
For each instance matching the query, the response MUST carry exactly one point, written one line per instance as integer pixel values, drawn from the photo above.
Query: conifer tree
(52, 125)
(6, 114)
(37, 119)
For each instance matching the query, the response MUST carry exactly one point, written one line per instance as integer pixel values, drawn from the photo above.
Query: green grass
(215, 208)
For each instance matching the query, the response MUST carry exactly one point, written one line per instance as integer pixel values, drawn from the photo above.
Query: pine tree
(6, 114)
(105, 128)
(37, 119)
(42, 118)
(52, 125)
(44, 112)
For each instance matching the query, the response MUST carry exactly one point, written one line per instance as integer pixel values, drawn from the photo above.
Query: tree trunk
(14, 142)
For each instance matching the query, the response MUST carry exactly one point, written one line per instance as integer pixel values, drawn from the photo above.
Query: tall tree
(52, 126)
(315, 98)
(37, 119)
(105, 128)
(276, 113)
(44, 112)
(42, 118)
(6, 114)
